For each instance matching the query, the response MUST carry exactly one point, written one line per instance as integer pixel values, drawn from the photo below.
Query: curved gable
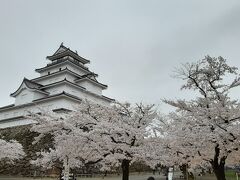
(30, 86)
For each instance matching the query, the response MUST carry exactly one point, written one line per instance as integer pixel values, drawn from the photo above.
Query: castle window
(48, 73)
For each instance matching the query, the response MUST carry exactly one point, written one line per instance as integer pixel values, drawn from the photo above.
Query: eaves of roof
(68, 52)
(30, 85)
(94, 81)
(76, 85)
(59, 94)
(63, 81)
(8, 106)
(58, 72)
(59, 62)
(63, 94)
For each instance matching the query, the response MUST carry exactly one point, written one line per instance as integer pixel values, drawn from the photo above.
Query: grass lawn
(230, 175)
(132, 177)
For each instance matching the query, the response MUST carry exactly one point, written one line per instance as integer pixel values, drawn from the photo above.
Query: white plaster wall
(70, 77)
(76, 70)
(91, 87)
(82, 94)
(53, 69)
(51, 104)
(69, 65)
(55, 78)
(51, 79)
(56, 89)
(16, 122)
(87, 95)
(96, 99)
(38, 95)
(74, 91)
(56, 103)
(27, 96)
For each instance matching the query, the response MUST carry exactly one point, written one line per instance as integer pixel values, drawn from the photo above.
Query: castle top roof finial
(64, 51)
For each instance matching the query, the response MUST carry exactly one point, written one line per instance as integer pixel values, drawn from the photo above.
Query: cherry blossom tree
(94, 134)
(163, 147)
(11, 150)
(205, 130)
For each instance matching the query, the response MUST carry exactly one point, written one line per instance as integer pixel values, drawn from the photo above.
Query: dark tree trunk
(218, 169)
(186, 174)
(125, 169)
(183, 168)
(219, 173)
(218, 165)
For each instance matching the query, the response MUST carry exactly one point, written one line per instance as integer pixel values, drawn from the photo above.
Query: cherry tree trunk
(219, 170)
(186, 174)
(125, 169)
(183, 168)
(218, 165)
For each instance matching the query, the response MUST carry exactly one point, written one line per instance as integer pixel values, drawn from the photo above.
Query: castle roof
(58, 72)
(61, 61)
(93, 80)
(63, 81)
(62, 94)
(64, 52)
(30, 85)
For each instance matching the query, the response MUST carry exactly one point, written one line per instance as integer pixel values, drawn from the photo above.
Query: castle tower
(62, 84)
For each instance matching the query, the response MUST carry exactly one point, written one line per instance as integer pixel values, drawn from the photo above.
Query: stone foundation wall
(23, 166)
(24, 136)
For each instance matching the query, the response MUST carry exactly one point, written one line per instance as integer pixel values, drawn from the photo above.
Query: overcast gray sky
(133, 45)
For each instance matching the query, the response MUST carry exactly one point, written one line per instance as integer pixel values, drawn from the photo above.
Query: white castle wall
(55, 78)
(85, 95)
(82, 94)
(16, 122)
(57, 103)
(25, 103)
(24, 97)
(27, 96)
(63, 66)
(76, 69)
(91, 87)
